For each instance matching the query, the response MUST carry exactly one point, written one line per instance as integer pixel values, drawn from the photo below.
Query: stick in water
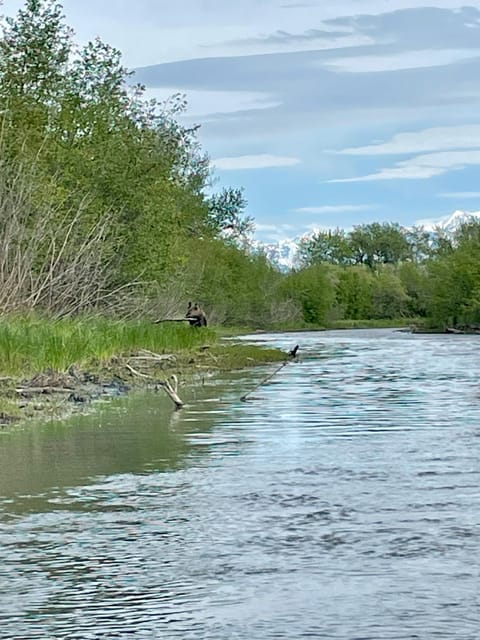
(292, 354)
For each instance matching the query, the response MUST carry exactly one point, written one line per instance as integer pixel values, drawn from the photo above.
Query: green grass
(383, 323)
(32, 345)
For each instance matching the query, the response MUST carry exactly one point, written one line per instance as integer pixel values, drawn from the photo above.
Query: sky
(328, 114)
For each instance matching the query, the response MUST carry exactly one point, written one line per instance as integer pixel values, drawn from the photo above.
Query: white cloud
(260, 161)
(188, 26)
(423, 167)
(460, 194)
(432, 139)
(398, 61)
(203, 103)
(335, 208)
(273, 227)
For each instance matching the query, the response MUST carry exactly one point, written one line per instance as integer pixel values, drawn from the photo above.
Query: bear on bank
(196, 315)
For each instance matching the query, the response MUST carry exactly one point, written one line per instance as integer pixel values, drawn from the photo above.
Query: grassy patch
(32, 345)
(383, 323)
(55, 368)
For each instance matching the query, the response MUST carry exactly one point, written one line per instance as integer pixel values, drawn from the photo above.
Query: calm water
(342, 501)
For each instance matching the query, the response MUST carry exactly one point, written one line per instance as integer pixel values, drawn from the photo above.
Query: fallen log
(36, 390)
(189, 320)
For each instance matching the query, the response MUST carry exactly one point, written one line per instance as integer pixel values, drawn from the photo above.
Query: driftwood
(158, 356)
(191, 321)
(292, 356)
(137, 373)
(170, 390)
(154, 358)
(464, 330)
(262, 382)
(33, 390)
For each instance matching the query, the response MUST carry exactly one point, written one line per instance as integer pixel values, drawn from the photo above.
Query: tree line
(386, 271)
(107, 206)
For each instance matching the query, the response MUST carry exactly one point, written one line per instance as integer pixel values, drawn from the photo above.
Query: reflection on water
(343, 502)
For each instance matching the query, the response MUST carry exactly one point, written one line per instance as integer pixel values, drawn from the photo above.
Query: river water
(342, 500)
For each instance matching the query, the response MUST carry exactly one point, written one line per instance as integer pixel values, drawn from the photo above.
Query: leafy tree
(226, 214)
(389, 298)
(379, 243)
(313, 288)
(354, 292)
(455, 280)
(332, 247)
(415, 280)
(420, 243)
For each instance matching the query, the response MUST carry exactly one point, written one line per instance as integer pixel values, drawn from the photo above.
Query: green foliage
(313, 289)
(379, 243)
(235, 287)
(455, 280)
(105, 207)
(415, 281)
(333, 247)
(369, 244)
(389, 298)
(88, 139)
(225, 214)
(31, 345)
(354, 292)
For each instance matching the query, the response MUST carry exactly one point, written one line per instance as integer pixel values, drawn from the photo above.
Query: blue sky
(327, 113)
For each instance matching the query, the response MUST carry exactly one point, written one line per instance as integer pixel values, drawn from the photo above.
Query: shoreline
(58, 395)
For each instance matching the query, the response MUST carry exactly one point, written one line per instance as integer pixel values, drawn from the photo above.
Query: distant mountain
(455, 221)
(284, 253)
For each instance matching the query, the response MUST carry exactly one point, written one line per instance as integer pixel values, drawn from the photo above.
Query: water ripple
(341, 502)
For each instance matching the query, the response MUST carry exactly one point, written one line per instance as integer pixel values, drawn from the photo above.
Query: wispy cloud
(400, 61)
(335, 208)
(204, 102)
(432, 139)
(260, 161)
(422, 167)
(282, 41)
(460, 195)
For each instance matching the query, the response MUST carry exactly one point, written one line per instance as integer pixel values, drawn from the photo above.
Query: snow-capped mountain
(283, 254)
(450, 224)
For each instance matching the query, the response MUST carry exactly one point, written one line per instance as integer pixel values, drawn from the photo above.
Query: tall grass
(32, 345)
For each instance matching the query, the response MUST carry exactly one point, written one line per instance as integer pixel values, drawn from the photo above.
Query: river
(342, 501)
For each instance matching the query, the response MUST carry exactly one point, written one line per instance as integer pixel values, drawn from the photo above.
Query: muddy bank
(59, 394)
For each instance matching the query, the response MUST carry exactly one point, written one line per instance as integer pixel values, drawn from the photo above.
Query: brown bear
(196, 315)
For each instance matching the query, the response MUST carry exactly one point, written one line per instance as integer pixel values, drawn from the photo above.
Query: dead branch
(170, 390)
(135, 372)
(35, 390)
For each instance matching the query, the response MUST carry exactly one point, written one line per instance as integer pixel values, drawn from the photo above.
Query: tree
(313, 288)
(226, 217)
(379, 243)
(455, 280)
(389, 298)
(332, 247)
(354, 292)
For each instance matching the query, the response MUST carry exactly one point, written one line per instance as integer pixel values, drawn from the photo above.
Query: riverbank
(54, 369)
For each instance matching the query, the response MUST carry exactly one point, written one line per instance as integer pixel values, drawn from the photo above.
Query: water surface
(341, 501)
